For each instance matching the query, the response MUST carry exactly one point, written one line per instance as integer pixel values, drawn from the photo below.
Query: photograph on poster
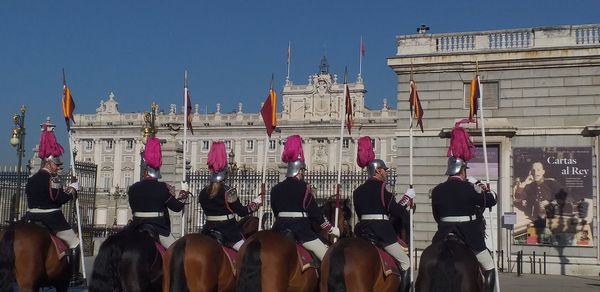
(552, 196)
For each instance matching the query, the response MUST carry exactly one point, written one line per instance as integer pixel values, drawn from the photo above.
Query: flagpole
(289, 60)
(185, 126)
(360, 53)
(72, 157)
(487, 173)
(339, 177)
(261, 210)
(410, 184)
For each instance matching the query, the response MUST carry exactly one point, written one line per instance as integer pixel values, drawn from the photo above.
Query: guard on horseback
(150, 200)
(221, 203)
(373, 204)
(294, 205)
(46, 195)
(458, 204)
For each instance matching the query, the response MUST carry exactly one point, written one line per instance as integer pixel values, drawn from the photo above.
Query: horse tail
(7, 258)
(444, 274)
(336, 282)
(105, 277)
(177, 277)
(249, 278)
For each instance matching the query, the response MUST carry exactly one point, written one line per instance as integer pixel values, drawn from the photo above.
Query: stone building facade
(541, 100)
(113, 140)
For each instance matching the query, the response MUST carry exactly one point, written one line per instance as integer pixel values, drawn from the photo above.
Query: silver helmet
(374, 165)
(293, 168)
(218, 176)
(55, 160)
(153, 172)
(455, 164)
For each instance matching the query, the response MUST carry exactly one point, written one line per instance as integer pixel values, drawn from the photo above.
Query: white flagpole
(410, 183)
(289, 61)
(339, 177)
(487, 175)
(77, 211)
(185, 125)
(261, 210)
(360, 53)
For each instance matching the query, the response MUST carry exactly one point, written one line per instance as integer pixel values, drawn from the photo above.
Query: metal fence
(11, 191)
(248, 182)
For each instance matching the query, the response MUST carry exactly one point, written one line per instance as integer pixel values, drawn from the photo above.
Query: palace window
(228, 144)
(89, 145)
(490, 94)
(109, 145)
(129, 145)
(373, 144)
(249, 145)
(272, 144)
(346, 143)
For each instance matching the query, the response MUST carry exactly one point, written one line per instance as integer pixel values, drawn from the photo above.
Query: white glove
(257, 200)
(473, 180)
(407, 198)
(74, 185)
(185, 187)
(411, 193)
(334, 231)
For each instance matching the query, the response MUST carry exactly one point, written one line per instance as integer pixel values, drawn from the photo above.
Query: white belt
(292, 214)
(374, 217)
(458, 218)
(38, 210)
(220, 218)
(147, 214)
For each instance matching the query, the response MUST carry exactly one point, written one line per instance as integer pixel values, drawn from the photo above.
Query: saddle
(389, 265)
(306, 258)
(225, 245)
(151, 231)
(59, 244)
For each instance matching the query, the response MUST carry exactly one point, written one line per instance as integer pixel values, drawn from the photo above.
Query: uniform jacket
(150, 195)
(40, 195)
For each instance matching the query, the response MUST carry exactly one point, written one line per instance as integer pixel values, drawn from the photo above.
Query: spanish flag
(349, 121)
(416, 111)
(68, 105)
(474, 98)
(269, 111)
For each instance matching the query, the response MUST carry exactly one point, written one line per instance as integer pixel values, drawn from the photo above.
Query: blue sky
(140, 49)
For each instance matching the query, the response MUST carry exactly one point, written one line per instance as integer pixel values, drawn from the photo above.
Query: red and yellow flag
(474, 98)
(416, 111)
(68, 104)
(269, 111)
(349, 121)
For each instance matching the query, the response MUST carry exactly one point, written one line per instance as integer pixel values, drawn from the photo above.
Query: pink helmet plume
(365, 152)
(217, 157)
(292, 150)
(48, 145)
(153, 153)
(460, 143)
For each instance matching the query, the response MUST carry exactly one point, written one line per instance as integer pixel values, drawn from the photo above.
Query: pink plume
(48, 145)
(365, 151)
(460, 143)
(217, 157)
(292, 150)
(153, 153)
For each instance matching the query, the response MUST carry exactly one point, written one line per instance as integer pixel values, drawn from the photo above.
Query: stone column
(307, 147)
(383, 150)
(97, 152)
(194, 155)
(333, 153)
(137, 171)
(261, 151)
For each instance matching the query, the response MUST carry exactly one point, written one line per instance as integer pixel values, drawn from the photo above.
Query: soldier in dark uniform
(457, 206)
(373, 204)
(294, 205)
(46, 195)
(221, 203)
(150, 199)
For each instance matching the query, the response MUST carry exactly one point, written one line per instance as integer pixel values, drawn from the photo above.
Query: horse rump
(105, 275)
(7, 258)
(337, 261)
(175, 267)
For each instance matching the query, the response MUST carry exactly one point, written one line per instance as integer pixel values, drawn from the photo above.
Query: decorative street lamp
(148, 131)
(17, 140)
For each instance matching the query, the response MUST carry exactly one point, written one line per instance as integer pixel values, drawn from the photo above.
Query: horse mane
(105, 275)
(7, 258)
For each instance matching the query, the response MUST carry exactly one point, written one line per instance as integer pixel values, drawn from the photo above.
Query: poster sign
(552, 196)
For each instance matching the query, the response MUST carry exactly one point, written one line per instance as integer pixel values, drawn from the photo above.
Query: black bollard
(533, 271)
(544, 263)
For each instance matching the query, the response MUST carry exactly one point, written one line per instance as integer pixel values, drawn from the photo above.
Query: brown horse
(449, 265)
(28, 255)
(197, 262)
(268, 261)
(353, 264)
